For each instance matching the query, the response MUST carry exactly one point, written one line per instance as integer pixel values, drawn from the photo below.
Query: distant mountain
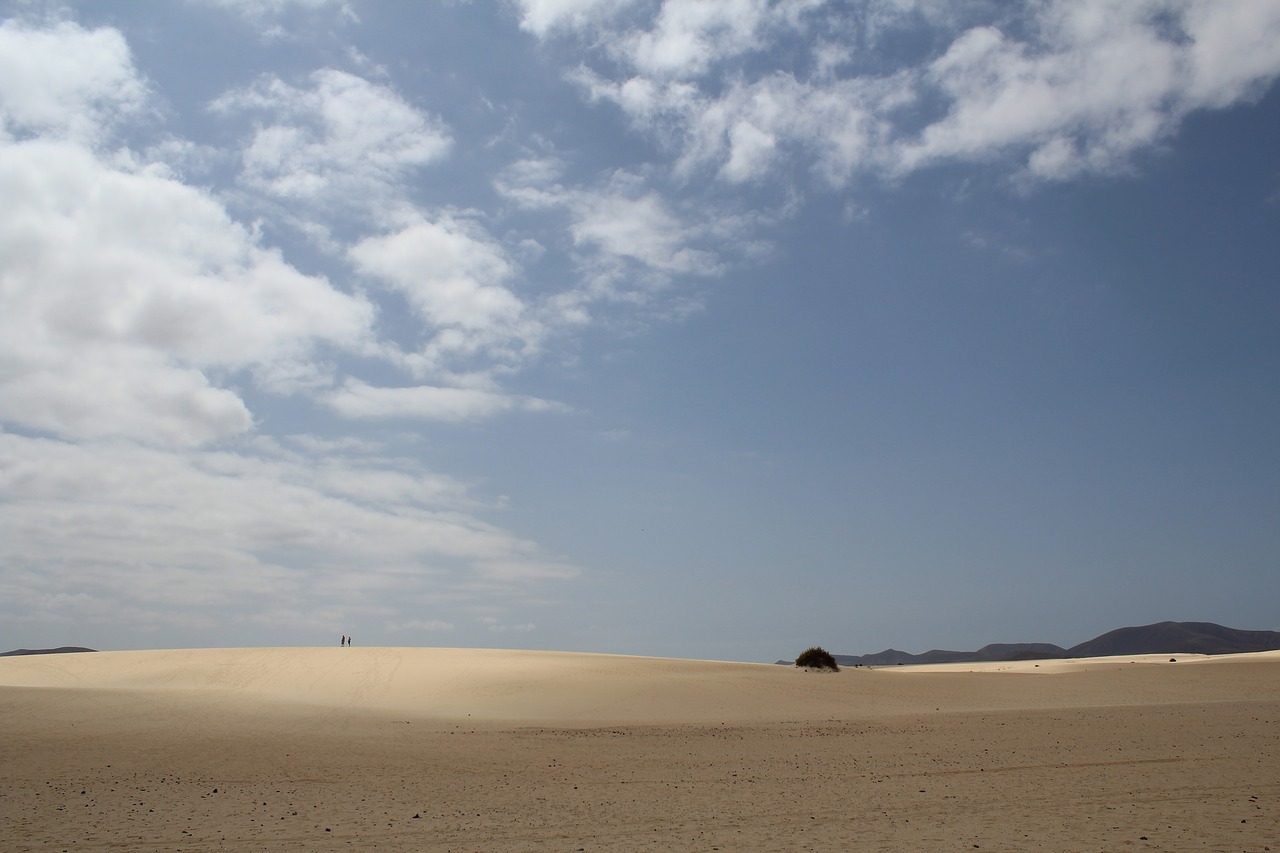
(992, 652)
(1204, 638)
(61, 650)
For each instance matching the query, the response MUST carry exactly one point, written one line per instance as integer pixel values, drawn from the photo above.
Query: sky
(692, 328)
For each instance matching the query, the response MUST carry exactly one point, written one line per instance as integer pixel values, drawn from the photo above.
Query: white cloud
(145, 300)
(689, 35)
(448, 270)
(1102, 82)
(633, 247)
(685, 37)
(625, 221)
(1093, 90)
(544, 16)
(384, 478)
(1232, 52)
(100, 532)
(621, 219)
(455, 278)
(659, 107)
(127, 294)
(1054, 89)
(116, 393)
(342, 140)
(836, 125)
(355, 399)
(65, 81)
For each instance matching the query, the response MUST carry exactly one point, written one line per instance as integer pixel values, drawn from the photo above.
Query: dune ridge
(572, 687)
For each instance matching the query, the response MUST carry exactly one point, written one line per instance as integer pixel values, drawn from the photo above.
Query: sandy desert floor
(435, 749)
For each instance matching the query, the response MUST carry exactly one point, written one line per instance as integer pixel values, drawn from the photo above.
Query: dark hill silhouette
(992, 652)
(1204, 638)
(61, 650)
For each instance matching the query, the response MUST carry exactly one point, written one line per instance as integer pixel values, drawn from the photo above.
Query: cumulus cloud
(342, 145)
(1054, 89)
(66, 82)
(686, 37)
(448, 270)
(1088, 91)
(340, 140)
(456, 279)
(128, 295)
(1100, 82)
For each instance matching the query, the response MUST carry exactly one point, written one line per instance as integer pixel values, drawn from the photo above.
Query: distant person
(343, 641)
(348, 642)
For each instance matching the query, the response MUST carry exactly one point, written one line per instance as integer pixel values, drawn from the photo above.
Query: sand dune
(440, 683)
(450, 749)
(575, 688)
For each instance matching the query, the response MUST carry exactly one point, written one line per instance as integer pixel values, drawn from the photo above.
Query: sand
(448, 749)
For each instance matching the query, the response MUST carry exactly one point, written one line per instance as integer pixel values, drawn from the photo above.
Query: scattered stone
(417, 816)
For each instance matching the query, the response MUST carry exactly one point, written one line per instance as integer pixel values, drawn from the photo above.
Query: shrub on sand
(817, 658)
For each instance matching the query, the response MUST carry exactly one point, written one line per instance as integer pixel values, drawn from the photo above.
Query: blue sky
(700, 329)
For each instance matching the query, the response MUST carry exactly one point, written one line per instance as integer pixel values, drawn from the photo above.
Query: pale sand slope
(323, 749)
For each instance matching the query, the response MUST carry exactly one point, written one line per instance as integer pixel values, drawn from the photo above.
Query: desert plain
(411, 749)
